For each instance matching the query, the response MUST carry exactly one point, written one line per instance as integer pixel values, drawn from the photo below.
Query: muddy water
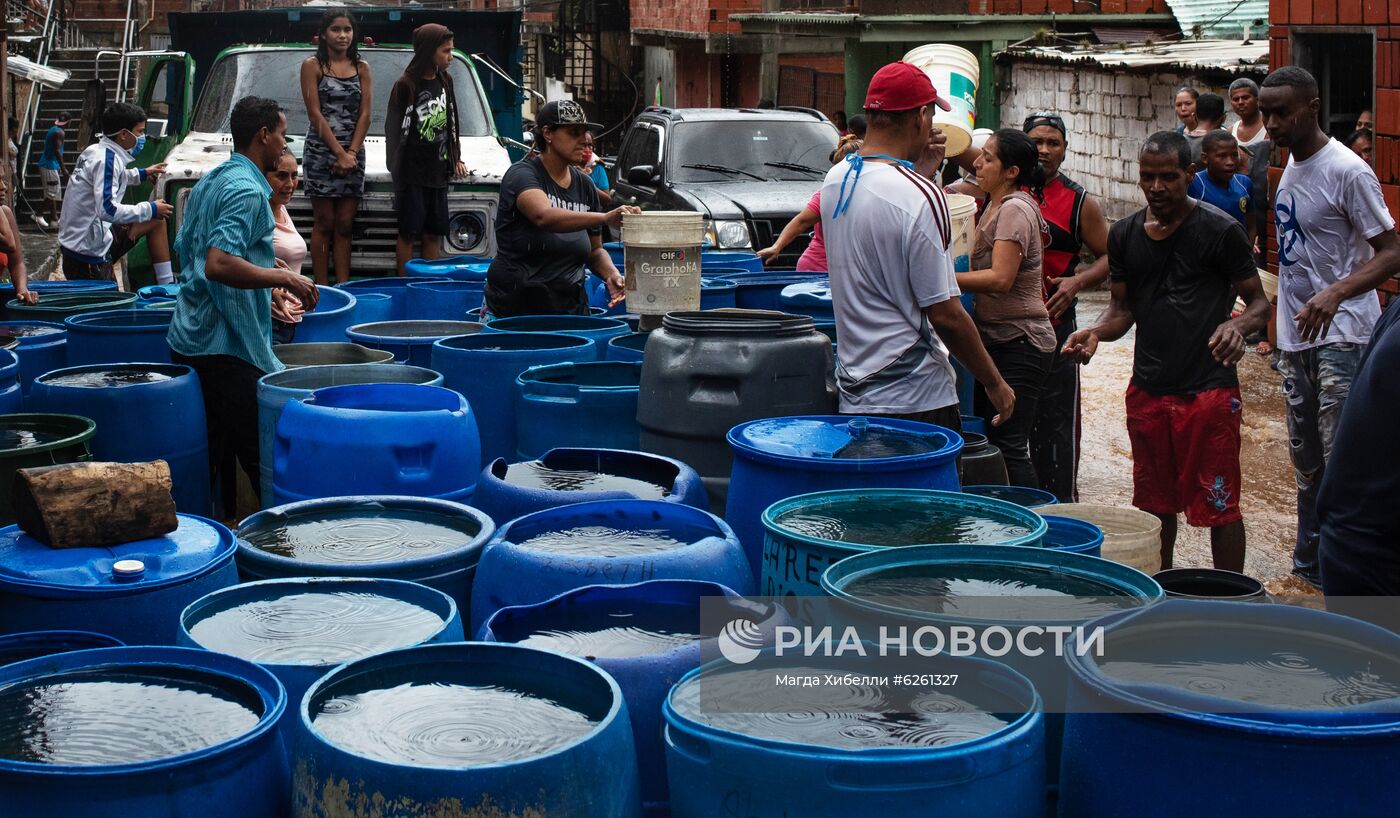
(1269, 500)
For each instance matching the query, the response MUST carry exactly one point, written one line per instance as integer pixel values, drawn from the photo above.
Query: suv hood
(738, 200)
(200, 152)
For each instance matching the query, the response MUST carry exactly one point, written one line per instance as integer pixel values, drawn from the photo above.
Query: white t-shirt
(889, 260)
(1260, 135)
(1326, 209)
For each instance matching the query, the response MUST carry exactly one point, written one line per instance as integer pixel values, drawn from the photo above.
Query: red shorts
(1186, 454)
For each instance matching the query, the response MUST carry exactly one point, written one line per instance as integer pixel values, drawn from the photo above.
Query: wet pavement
(1268, 499)
(39, 248)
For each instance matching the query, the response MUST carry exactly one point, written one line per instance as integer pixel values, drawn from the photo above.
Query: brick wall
(1109, 116)
(693, 16)
(1383, 16)
(1067, 7)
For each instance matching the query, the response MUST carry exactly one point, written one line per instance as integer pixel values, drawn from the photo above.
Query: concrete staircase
(82, 63)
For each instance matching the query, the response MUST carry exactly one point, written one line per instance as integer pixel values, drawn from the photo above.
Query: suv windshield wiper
(795, 166)
(725, 169)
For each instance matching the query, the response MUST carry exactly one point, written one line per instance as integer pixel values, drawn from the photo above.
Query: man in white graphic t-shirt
(887, 232)
(1336, 244)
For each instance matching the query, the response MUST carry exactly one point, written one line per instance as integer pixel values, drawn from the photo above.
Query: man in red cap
(888, 234)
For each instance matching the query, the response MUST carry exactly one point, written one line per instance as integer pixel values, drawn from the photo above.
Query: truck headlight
(465, 231)
(731, 235)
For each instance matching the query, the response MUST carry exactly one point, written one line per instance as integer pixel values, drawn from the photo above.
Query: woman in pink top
(288, 246)
(814, 258)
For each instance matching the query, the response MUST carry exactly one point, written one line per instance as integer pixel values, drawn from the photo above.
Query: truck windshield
(276, 73)
(739, 150)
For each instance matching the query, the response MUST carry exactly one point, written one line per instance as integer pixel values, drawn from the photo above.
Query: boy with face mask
(96, 228)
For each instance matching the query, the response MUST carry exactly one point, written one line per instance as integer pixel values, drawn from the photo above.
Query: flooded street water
(1269, 501)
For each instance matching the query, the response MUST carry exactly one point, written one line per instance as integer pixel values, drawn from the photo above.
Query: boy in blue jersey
(1220, 185)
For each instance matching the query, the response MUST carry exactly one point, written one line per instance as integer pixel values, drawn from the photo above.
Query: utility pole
(768, 60)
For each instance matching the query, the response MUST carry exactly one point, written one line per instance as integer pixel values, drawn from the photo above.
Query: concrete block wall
(1109, 115)
(692, 16)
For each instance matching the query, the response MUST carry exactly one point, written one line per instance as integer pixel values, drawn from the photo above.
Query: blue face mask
(140, 144)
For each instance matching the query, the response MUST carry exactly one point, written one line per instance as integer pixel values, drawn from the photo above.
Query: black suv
(748, 170)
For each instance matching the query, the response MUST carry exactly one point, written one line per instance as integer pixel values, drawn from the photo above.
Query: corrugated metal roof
(1130, 35)
(1220, 18)
(818, 18)
(1224, 55)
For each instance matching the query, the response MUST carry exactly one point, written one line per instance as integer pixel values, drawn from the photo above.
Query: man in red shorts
(1175, 268)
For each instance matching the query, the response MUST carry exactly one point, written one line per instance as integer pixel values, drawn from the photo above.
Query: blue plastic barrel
(118, 336)
(335, 312)
(52, 287)
(133, 591)
(581, 406)
(299, 642)
(718, 294)
(645, 676)
(795, 554)
(483, 368)
(616, 253)
(511, 572)
(973, 424)
(1081, 589)
(630, 347)
(370, 308)
(43, 347)
(1024, 496)
(381, 438)
(374, 535)
(245, 774)
(156, 292)
(762, 291)
(393, 286)
(744, 259)
(444, 300)
(410, 341)
(17, 647)
(596, 328)
(588, 772)
(457, 268)
(504, 501)
(56, 307)
(143, 412)
(810, 298)
(779, 458)
(735, 740)
(1069, 534)
(277, 388)
(11, 396)
(1283, 753)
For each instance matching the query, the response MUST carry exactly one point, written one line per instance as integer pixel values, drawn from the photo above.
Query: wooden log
(93, 505)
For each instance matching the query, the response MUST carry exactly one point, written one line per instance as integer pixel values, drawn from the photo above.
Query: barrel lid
(191, 549)
(828, 437)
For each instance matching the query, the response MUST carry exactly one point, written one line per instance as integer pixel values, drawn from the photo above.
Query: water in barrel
(604, 541)
(108, 376)
(842, 717)
(15, 437)
(316, 628)
(100, 717)
(619, 629)
(362, 536)
(27, 331)
(991, 590)
(536, 475)
(894, 520)
(448, 724)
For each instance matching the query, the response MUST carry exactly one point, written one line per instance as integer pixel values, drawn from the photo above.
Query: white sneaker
(42, 222)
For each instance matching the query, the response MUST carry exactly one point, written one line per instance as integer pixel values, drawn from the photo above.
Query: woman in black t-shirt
(549, 225)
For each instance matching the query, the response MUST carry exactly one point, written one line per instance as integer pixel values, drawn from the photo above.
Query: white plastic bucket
(661, 257)
(1130, 536)
(955, 72)
(962, 213)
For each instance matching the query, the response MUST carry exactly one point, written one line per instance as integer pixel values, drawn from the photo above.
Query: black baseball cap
(564, 113)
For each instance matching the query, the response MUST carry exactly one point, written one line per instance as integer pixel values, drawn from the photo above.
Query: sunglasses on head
(1044, 118)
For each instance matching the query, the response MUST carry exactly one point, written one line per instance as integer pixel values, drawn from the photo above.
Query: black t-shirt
(427, 159)
(1180, 289)
(531, 258)
(1355, 505)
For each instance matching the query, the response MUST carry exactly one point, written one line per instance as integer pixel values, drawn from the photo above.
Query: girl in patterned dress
(335, 85)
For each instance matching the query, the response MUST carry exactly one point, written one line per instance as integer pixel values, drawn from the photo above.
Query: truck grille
(377, 230)
(765, 230)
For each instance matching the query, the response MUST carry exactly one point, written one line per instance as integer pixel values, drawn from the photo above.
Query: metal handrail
(32, 99)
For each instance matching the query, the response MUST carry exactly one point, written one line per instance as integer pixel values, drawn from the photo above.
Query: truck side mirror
(643, 176)
(156, 128)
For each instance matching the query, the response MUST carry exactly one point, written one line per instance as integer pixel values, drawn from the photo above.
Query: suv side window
(643, 148)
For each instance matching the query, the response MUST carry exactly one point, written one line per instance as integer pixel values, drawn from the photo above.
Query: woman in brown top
(1009, 289)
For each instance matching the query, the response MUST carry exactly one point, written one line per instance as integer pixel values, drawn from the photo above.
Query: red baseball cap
(900, 86)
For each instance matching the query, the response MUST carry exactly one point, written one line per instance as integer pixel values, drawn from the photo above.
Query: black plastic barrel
(707, 372)
(30, 441)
